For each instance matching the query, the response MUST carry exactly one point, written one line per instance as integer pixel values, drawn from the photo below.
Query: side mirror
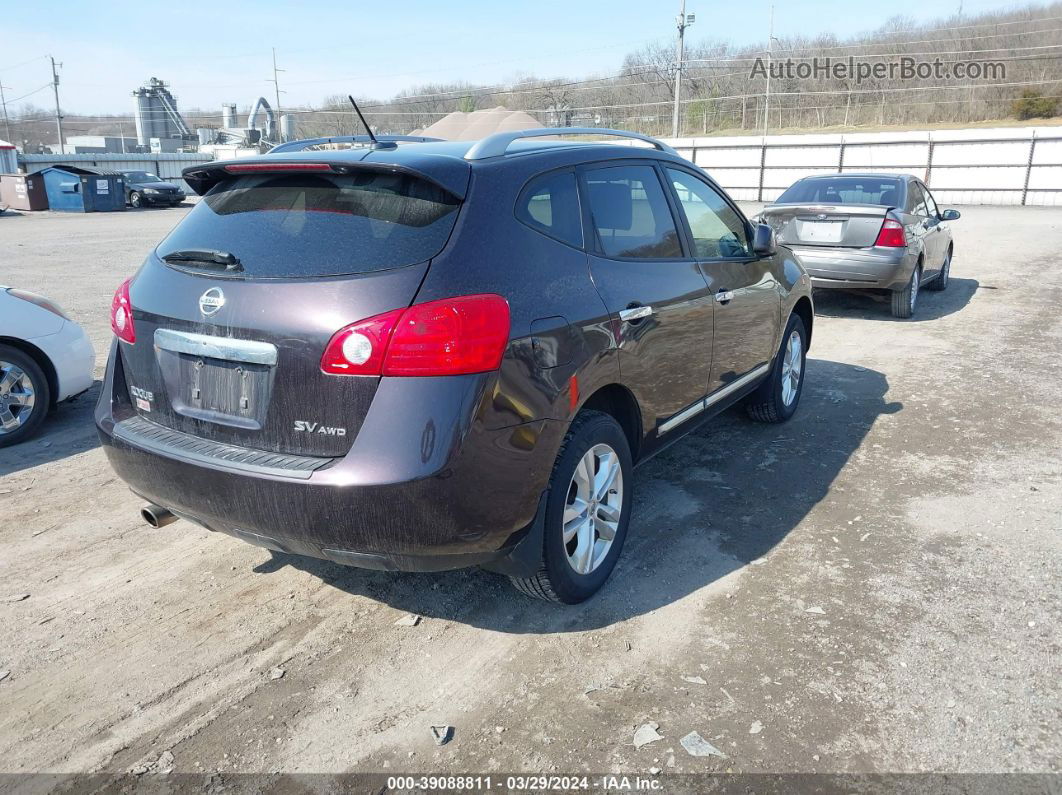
(950, 215)
(763, 242)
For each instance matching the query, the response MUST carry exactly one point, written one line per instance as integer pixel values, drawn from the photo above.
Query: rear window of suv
(844, 190)
(307, 225)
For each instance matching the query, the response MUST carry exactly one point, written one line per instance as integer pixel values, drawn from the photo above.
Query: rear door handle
(724, 296)
(633, 313)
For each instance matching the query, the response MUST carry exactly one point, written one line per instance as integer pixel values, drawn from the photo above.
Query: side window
(931, 205)
(631, 215)
(916, 200)
(718, 231)
(550, 205)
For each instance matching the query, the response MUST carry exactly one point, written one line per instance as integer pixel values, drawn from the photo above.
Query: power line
(23, 63)
(922, 41)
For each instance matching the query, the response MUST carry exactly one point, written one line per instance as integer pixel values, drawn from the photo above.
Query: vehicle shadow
(713, 503)
(870, 305)
(68, 430)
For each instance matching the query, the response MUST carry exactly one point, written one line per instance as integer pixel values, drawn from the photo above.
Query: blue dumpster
(83, 190)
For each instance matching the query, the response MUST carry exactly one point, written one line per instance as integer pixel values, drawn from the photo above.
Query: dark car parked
(435, 355)
(867, 231)
(144, 188)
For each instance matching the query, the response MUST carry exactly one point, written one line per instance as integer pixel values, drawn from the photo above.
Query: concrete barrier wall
(1005, 165)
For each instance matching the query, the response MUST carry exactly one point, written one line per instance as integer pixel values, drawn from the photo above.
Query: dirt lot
(872, 587)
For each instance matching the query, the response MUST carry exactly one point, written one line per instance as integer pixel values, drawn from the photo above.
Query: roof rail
(498, 144)
(306, 143)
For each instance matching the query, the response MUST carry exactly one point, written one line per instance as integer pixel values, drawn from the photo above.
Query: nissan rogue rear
(426, 356)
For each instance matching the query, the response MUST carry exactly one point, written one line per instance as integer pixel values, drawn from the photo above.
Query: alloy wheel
(17, 397)
(593, 508)
(792, 366)
(916, 279)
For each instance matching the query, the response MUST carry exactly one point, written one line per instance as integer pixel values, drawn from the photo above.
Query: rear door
(933, 237)
(744, 287)
(233, 353)
(656, 294)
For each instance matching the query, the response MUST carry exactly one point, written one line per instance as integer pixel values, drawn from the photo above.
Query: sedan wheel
(134, 199)
(904, 301)
(24, 396)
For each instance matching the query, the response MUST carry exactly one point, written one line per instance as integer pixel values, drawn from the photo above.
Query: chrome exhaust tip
(156, 515)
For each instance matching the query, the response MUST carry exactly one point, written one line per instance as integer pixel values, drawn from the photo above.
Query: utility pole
(767, 95)
(682, 21)
(58, 113)
(276, 86)
(7, 121)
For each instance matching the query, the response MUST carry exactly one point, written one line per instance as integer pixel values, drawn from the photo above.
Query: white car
(45, 358)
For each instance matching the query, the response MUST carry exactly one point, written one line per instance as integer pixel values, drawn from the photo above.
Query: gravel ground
(871, 587)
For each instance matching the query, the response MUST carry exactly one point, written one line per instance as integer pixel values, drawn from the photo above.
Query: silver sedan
(867, 231)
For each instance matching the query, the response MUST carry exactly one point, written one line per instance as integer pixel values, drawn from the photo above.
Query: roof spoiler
(497, 144)
(204, 176)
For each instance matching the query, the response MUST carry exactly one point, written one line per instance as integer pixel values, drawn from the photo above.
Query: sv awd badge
(314, 427)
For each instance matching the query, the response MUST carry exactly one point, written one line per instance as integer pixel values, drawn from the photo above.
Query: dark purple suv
(429, 355)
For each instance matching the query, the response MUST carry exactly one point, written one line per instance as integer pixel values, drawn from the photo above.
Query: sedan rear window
(307, 225)
(844, 190)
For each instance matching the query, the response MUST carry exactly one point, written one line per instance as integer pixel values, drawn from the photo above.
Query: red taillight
(359, 348)
(122, 314)
(453, 336)
(891, 235)
(245, 168)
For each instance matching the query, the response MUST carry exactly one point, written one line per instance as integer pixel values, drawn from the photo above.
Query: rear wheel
(587, 512)
(941, 282)
(904, 301)
(776, 399)
(135, 199)
(24, 396)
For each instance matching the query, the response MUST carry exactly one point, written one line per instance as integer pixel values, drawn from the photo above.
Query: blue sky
(220, 51)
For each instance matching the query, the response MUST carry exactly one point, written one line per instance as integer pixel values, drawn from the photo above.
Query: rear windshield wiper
(211, 257)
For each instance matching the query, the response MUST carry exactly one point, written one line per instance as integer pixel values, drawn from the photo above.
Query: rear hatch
(837, 211)
(233, 310)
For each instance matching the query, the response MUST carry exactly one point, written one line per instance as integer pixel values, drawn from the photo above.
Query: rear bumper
(471, 505)
(877, 268)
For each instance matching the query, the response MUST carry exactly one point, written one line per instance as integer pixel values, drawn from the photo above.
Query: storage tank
(228, 114)
(287, 127)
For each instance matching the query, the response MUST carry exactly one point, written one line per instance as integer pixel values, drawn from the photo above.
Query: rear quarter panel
(560, 326)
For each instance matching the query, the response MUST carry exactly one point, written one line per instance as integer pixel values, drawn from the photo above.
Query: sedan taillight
(38, 300)
(891, 235)
(452, 336)
(122, 314)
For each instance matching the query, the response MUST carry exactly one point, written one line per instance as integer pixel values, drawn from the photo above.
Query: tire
(597, 437)
(941, 282)
(905, 301)
(24, 396)
(135, 199)
(777, 398)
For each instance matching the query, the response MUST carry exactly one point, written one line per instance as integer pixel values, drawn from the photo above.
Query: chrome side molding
(710, 400)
